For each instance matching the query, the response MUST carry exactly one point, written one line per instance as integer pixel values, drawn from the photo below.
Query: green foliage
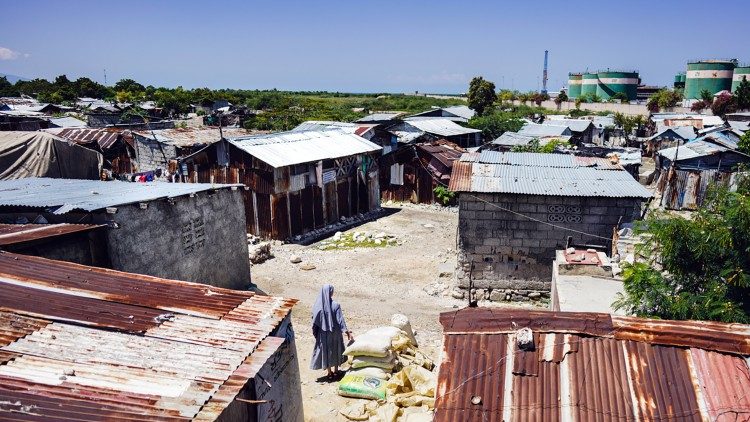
(561, 98)
(707, 96)
(628, 123)
(497, 123)
(620, 96)
(744, 144)
(444, 195)
(590, 98)
(742, 94)
(506, 96)
(663, 99)
(694, 268)
(481, 94)
(535, 146)
(7, 89)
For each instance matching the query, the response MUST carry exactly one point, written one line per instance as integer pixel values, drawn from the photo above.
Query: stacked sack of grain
(387, 366)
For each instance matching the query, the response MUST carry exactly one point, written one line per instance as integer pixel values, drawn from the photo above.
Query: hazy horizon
(431, 47)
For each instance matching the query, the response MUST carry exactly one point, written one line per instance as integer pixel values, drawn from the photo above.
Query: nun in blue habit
(328, 325)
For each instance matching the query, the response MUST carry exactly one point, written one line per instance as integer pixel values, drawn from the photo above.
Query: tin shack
(298, 181)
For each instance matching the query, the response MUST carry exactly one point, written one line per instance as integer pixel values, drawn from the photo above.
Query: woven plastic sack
(362, 387)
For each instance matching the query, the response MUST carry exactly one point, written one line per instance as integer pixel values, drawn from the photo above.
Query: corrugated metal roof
(552, 129)
(543, 174)
(87, 343)
(441, 127)
(187, 137)
(555, 181)
(20, 233)
(296, 147)
(66, 195)
(319, 125)
(693, 149)
(514, 139)
(588, 366)
(105, 138)
(535, 159)
(68, 122)
(380, 117)
(575, 125)
(681, 132)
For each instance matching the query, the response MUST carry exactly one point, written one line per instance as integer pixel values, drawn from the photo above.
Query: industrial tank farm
(574, 85)
(589, 83)
(612, 83)
(711, 75)
(739, 73)
(604, 84)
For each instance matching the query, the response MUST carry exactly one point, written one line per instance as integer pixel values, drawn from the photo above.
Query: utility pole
(544, 73)
(105, 76)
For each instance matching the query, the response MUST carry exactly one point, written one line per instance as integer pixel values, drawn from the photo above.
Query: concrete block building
(187, 231)
(517, 209)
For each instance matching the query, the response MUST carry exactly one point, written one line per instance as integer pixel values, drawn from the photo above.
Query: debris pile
(359, 239)
(388, 369)
(260, 252)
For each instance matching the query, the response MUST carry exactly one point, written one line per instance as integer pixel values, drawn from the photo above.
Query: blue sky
(364, 46)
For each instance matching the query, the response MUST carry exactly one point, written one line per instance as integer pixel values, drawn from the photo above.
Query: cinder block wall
(200, 239)
(512, 255)
(151, 155)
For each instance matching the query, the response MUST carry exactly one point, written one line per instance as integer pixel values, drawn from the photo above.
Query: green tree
(7, 89)
(744, 144)
(561, 98)
(707, 96)
(621, 96)
(481, 95)
(128, 85)
(693, 268)
(743, 94)
(495, 124)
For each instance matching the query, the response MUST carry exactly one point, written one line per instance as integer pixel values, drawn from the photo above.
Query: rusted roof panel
(585, 367)
(160, 356)
(477, 364)
(20, 233)
(122, 287)
(724, 382)
(105, 138)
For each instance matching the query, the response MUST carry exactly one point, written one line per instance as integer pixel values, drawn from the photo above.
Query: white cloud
(8, 54)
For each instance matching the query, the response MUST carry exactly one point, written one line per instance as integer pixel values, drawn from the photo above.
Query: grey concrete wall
(627, 109)
(152, 155)
(512, 255)
(200, 239)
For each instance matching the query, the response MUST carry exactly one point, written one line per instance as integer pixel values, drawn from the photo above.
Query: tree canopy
(481, 95)
(694, 268)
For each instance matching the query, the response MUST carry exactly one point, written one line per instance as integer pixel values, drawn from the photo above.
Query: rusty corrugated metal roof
(587, 366)
(85, 343)
(20, 233)
(103, 137)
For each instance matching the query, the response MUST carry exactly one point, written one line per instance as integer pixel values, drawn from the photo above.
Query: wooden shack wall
(272, 210)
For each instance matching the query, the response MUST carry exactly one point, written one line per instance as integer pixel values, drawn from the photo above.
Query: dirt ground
(371, 284)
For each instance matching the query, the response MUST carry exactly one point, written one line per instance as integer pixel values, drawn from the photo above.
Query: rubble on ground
(258, 251)
(359, 239)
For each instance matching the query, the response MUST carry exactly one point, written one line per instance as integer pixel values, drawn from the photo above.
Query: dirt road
(371, 284)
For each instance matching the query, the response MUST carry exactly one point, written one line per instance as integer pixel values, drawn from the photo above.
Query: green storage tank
(713, 75)
(679, 80)
(683, 78)
(740, 72)
(574, 85)
(589, 81)
(612, 83)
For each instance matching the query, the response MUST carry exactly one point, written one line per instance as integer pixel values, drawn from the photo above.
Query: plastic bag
(412, 378)
(401, 322)
(362, 387)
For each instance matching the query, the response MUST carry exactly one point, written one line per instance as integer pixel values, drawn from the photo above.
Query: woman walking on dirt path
(328, 326)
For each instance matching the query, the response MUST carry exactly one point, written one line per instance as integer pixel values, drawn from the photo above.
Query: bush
(445, 196)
